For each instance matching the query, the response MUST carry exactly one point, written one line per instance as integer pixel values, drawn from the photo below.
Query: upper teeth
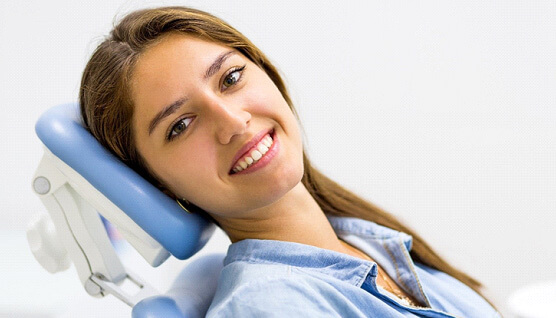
(257, 153)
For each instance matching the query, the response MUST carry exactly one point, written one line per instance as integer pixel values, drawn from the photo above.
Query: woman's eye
(179, 127)
(232, 78)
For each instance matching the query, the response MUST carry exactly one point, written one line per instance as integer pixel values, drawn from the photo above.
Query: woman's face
(198, 105)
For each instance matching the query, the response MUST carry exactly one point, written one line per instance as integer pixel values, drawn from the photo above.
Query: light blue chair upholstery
(182, 234)
(60, 129)
(191, 293)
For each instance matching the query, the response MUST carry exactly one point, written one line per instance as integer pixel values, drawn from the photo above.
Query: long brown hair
(107, 110)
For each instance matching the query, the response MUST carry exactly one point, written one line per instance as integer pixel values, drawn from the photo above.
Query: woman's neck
(296, 217)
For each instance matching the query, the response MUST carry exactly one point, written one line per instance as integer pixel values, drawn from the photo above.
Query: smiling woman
(226, 105)
(196, 108)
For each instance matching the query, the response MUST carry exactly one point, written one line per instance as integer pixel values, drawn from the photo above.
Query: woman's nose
(229, 120)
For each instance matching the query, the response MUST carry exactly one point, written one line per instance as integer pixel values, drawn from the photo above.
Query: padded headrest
(60, 129)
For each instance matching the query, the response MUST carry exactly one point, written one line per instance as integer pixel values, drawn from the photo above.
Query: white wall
(442, 113)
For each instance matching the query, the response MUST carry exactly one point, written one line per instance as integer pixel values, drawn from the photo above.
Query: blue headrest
(60, 129)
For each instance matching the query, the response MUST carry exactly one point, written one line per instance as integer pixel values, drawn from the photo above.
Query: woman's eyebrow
(217, 64)
(167, 111)
(170, 109)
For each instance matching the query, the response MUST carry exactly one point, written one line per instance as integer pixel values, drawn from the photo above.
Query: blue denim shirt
(266, 278)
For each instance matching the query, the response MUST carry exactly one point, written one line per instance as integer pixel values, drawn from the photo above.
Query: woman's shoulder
(259, 289)
(236, 274)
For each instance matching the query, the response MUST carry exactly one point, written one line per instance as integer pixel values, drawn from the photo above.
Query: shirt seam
(408, 260)
(365, 234)
(341, 228)
(398, 276)
(254, 260)
(359, 282)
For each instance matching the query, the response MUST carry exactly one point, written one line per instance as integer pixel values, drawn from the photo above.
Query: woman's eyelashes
(179, 127)
(232, 77)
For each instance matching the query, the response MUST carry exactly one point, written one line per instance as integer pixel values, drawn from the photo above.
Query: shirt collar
(338, 265)
(370, 230)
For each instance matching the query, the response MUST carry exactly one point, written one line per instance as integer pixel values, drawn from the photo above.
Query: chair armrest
(191, 293)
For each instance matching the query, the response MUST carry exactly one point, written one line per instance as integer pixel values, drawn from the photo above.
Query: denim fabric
(266, 278)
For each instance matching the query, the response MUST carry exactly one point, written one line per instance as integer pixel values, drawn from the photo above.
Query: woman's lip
(243, 150)
(265, 160)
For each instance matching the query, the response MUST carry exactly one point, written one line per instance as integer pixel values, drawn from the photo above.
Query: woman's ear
(168, 192)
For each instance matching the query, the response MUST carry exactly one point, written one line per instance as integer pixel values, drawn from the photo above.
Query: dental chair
(78, 179)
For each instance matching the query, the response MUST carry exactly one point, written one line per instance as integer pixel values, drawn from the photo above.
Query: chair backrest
(60, 129)
(78, 179)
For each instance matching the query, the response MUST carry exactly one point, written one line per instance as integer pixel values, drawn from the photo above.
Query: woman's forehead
(178, 55)
(173, 68)
(178, 48)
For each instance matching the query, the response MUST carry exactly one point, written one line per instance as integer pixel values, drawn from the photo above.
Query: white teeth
(267, 143)
(258, 153)
(243, 164)
(262, 148)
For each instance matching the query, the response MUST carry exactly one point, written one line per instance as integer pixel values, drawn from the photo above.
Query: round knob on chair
(45, 244)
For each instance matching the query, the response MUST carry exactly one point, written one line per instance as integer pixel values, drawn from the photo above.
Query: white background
(441, 112)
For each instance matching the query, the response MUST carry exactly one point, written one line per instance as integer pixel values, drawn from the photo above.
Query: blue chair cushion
(182, 234)
(190, 295)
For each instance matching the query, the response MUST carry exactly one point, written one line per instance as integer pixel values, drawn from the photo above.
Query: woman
(197, 109)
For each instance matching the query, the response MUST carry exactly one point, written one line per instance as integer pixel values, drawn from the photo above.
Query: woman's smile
(258, 156)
